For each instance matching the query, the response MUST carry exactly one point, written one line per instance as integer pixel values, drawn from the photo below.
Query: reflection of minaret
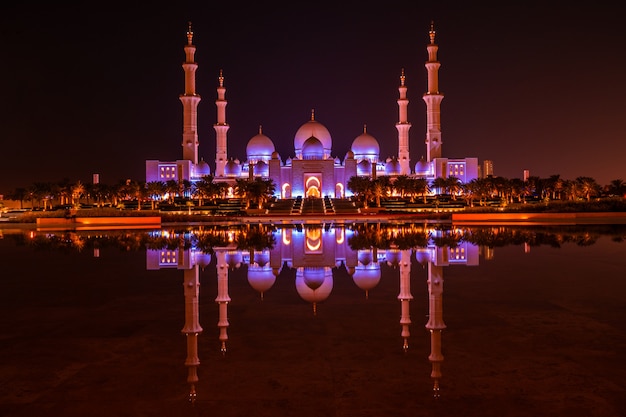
(190, 102)
(222, 297)
(435, 322)
(433, 100)
(192, 327)
(405, 296)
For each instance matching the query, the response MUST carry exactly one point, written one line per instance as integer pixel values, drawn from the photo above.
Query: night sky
(95, 88)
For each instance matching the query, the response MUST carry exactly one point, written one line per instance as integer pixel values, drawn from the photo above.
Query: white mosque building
(311, 171)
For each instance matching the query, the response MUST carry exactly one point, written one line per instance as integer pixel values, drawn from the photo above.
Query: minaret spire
(190, 102)
(403, 127)
(221, 128)
(433, 100)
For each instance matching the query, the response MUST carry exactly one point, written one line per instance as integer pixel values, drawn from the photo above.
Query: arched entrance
(313, 187)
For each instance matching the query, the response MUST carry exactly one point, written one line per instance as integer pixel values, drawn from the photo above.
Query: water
(354, 320)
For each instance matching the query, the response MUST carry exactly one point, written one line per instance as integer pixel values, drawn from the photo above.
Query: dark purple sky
(94, 88)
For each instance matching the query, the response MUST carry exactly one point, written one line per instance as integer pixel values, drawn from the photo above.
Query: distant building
(526, 175)
(311, 171)
(487, 168)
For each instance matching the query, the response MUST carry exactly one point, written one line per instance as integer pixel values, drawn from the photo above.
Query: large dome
(315, 129)
(260, 147)
(365, 146)
(202, 169)
(312, 149)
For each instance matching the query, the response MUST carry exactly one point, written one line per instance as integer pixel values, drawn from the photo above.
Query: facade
(311, 171)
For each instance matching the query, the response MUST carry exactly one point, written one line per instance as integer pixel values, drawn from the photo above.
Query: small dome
(262, 169)
(392, 167)
(260, 147)
(365, 146)
(349, 155)
(364, 167)
(232, 168)
(315, 129)
(314, 284)
(261, 279)
(422, 167)
(366, 278)
(312, 148)
(202, 169)
(275, 155)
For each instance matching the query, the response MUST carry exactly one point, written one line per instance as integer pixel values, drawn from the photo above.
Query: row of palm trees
(367, 190)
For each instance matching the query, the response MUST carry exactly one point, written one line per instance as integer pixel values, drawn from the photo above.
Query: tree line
(368, 191)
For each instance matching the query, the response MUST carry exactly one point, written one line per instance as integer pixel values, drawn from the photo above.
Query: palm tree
(440, 185)
(19, 194)
(454, 186)
(420, 187)
(155, 191)
(588, 187)
(617, 187)
(78, 191)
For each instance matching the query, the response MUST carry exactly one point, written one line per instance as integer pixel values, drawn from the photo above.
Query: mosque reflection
(313, 253)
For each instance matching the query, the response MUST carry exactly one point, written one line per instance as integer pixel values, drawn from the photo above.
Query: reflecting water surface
(314, 320)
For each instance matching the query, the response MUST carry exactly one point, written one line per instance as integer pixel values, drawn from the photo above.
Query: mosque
(311, 171)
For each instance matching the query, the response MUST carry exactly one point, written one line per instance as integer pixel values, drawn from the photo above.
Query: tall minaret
(403, 127)
(222, 298)
(221, 127)
(190, 102)
(433, 101)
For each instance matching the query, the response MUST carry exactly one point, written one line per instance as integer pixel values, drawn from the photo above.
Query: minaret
(192, 328)
(190, 102)
(433, 101)
(221, 127)
(403, 127)
(435, 322)
(405, 296)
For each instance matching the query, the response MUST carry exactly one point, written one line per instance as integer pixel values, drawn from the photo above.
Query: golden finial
(221, 78)
(189, 34)
(431, 33)
(365, 128)
(312, 114)
(402, 78)
(260, 129)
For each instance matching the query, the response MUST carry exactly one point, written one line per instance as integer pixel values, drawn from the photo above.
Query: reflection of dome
(202, 259)
(394, 256)
(202, 169)
(262, 169)
(365, 146)
(422, 256)
(315, 129)
(364, 167)
(392, 167)
(364, 257)
(312, 149)
(366, 278)
(233, 259)
(422, 167)
(261, 279)
(314, 284)
(260, 147)
(232, 168)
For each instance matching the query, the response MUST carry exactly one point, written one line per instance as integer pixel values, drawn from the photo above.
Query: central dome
(315, 129)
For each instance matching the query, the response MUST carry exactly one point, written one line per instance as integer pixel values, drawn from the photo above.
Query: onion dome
(275, 155)
(202, 169)
(232, 168)
(392, 166)
(312, 149)
(260, 147)
(422, 167)
(364, 168)
(349, 155)
(315, 129)
(365, 146)
(261, 168)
